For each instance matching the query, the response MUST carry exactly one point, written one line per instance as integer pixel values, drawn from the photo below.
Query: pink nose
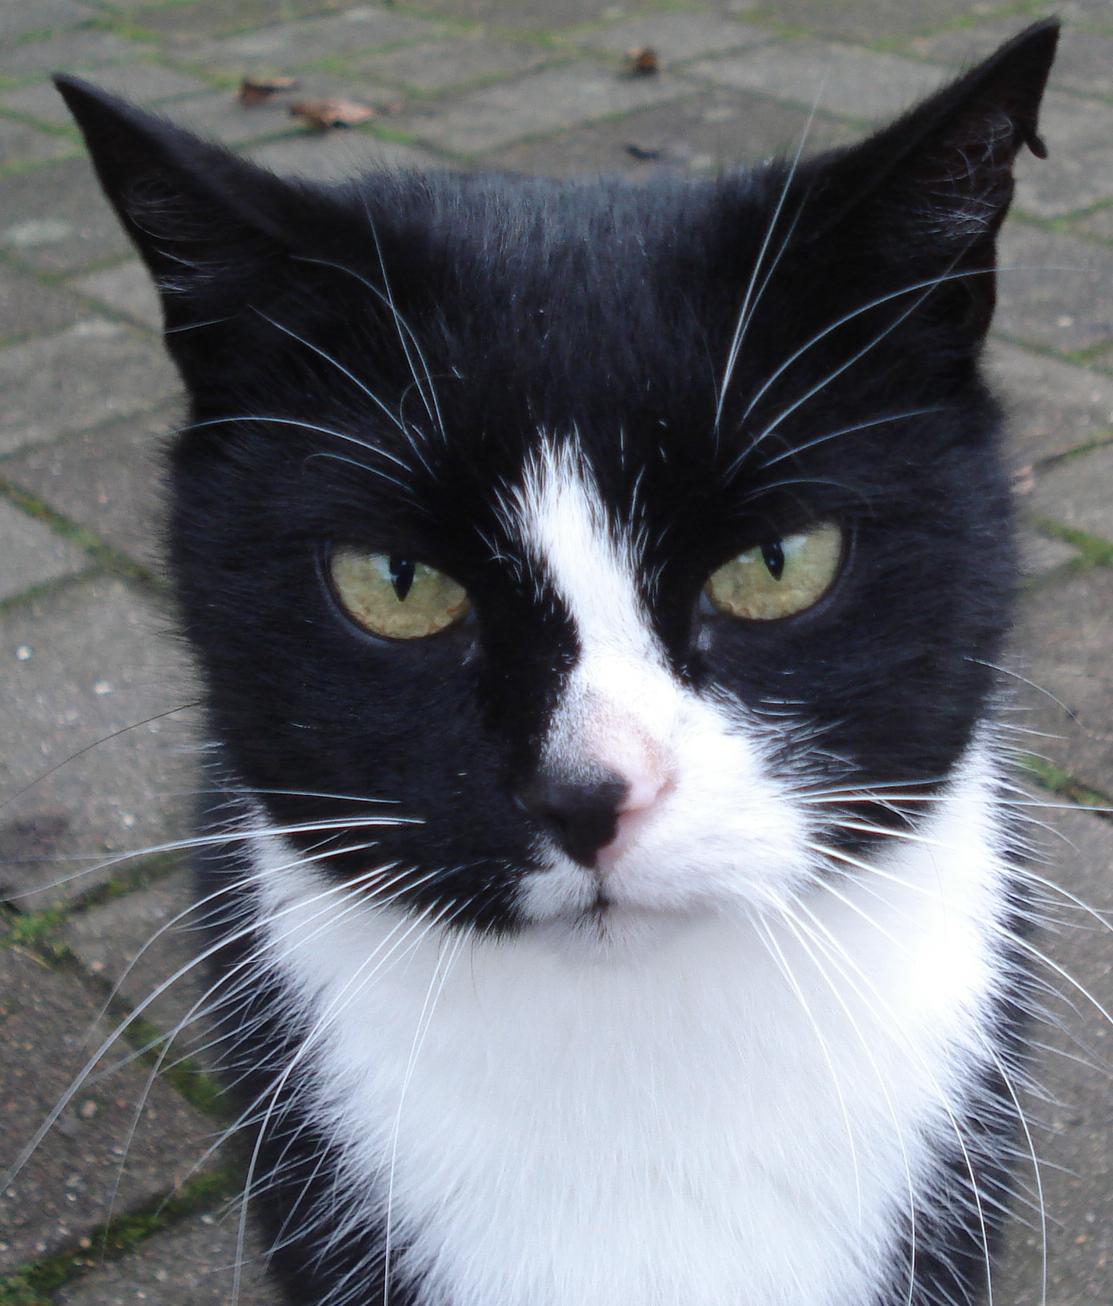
(645, 789)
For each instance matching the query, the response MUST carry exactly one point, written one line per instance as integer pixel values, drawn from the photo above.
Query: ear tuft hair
(205, 222)
(942, 174)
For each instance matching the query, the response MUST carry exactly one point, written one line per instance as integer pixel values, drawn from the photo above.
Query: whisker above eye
(794, 452)
(273, 420)
(745, 314)
(927, 285)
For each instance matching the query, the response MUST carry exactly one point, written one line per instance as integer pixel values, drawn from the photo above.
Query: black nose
(581, 815)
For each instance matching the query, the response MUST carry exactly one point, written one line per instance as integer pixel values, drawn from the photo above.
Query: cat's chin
(613, 931)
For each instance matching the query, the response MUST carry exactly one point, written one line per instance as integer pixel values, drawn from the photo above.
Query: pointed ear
(207, 224)
(931, 190)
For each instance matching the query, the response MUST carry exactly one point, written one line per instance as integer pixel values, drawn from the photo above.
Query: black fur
(598, 307)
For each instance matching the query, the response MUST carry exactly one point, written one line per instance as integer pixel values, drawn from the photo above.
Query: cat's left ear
(931, 190)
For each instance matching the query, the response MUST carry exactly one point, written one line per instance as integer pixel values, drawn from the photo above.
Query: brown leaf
(1024, 479)
(642, 61)
(258, 90)
(322, 114)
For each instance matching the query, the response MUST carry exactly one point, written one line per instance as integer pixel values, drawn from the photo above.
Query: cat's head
(637, 545)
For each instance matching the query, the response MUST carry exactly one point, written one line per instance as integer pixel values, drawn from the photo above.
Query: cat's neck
(784, 1074)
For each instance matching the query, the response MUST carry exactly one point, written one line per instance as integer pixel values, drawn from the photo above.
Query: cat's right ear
(208, 225)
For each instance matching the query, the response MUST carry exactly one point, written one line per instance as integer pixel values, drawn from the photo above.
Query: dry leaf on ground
(1024, 479)
(258, 90)
(323, 114)
(642, 61)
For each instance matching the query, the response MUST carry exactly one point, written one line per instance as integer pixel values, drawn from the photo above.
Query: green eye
(394, 597)
(779, 578)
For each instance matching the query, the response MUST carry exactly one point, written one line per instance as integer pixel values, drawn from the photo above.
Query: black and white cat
(596, 588)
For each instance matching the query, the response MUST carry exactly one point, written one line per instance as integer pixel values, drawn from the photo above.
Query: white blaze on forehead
(621, 700)
(588, 558)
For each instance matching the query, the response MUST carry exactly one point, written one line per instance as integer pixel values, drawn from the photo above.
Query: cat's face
(638, 549)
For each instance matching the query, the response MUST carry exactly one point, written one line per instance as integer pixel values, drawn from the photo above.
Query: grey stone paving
(139, 942)
(1073, 1131)
(188, 1267)
(50, 1031)
(125, 287)
(33, 554)
(854, 83)
(54, 219)
(1057, 295)
(76, 665)
(27, 307)
(1052, 406)
(1067, 634)
(540, 86)
(95, 371)
(540, 102)
(106, 480)
(1075, 491)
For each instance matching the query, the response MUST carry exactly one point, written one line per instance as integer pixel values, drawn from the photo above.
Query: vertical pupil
(401, 576)
(774, 557)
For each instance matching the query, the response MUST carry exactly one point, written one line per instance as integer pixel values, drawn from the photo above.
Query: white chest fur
(726, 1112)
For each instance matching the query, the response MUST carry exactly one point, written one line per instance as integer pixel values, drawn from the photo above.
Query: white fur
(686, 1103)
(624, 708)
(668, 1122)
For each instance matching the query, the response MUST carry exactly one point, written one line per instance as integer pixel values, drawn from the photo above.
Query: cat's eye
(780, 577)
(393, 596)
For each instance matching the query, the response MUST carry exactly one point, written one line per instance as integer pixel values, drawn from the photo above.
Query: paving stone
(1061, 294)
(32, 553)
(144, 83)
(339, 155)
(1078, 171)
(1083, 60)
(22, 143)
(1076, 492)
(218, 115)
(127, 288)
(533, 14)
(108, 480)
(1040, 555)
(867, 20)
(49, 1024)
(92, 372)
(703, 133)
(56, 219)
(189, 1266)
(856, 83)
(82, 47)
(18, 18)
(435, 66)
(1072, 1119)
(1093, 15)
(77, 665)
(183, 24)
(140, 941)
(27, 307)
(1063, 644)
(538, 103)
(1098, 225)
(1052, 407)
(292, 45)
(675, 36)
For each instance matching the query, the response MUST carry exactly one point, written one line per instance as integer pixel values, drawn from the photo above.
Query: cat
(596, 588)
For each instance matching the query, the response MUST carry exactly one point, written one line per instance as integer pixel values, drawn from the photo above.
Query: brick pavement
(535, 85)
